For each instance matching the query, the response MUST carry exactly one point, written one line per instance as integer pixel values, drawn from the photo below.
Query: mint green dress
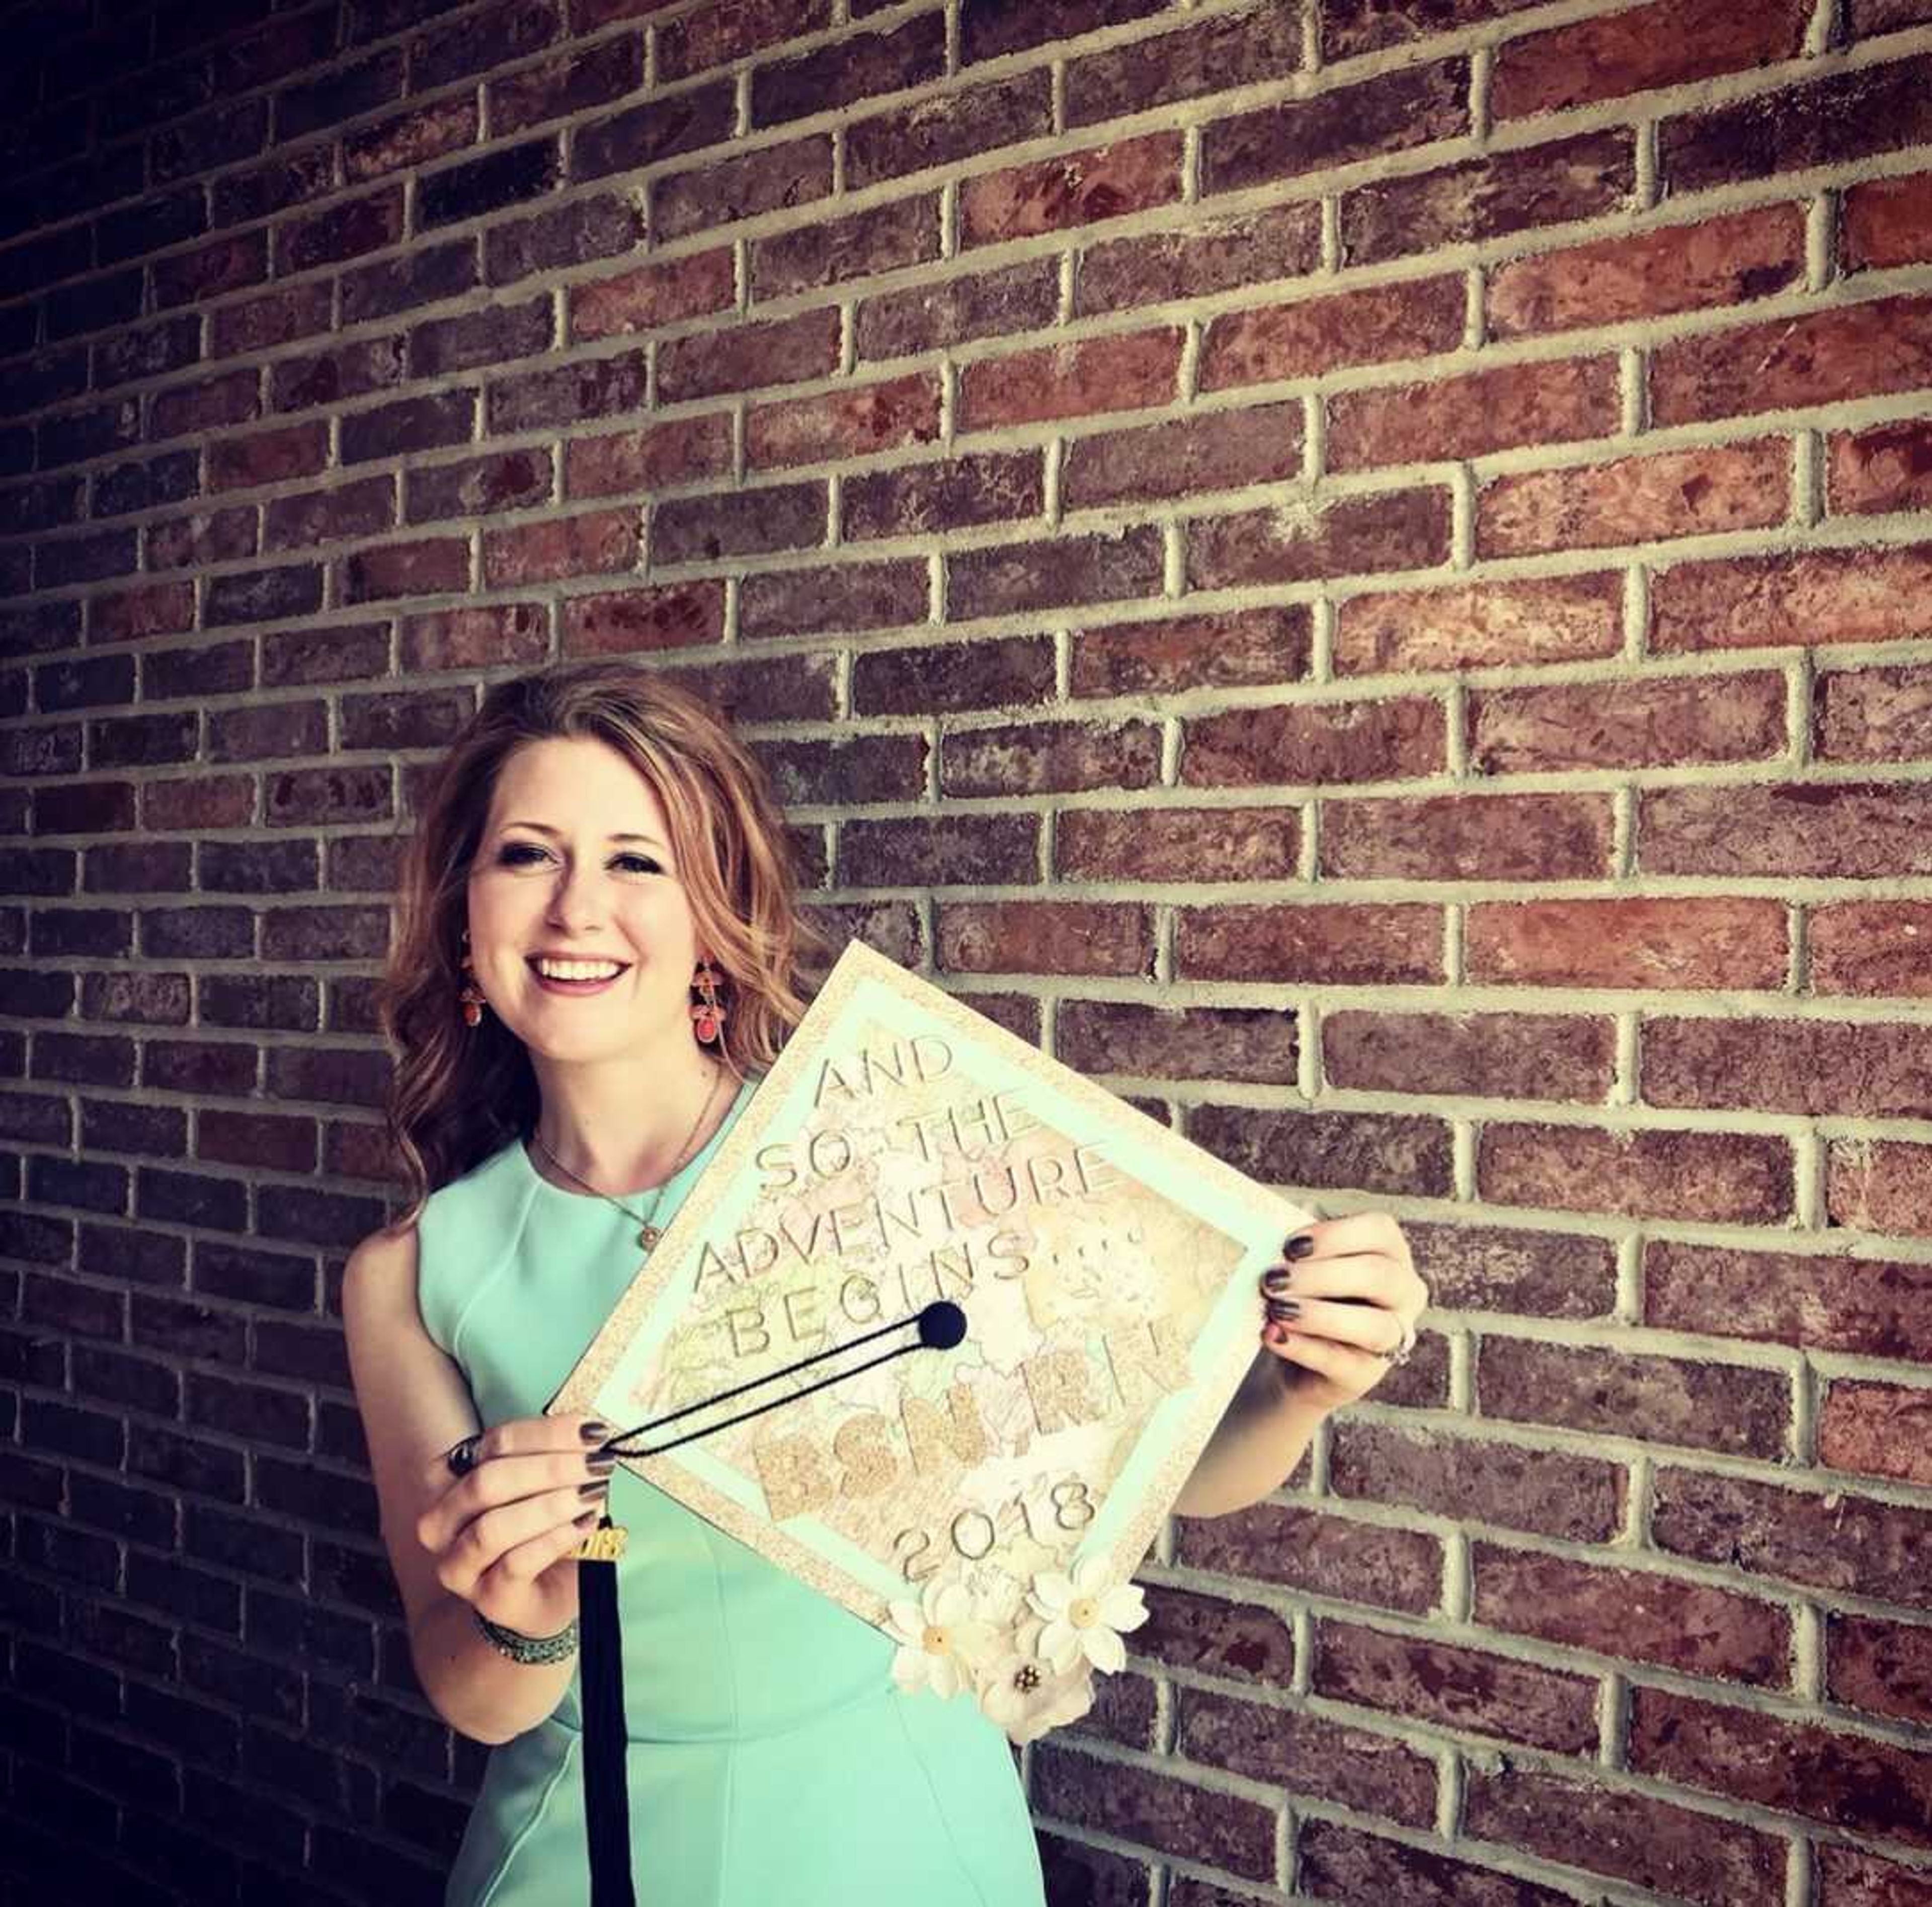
(771, 1761)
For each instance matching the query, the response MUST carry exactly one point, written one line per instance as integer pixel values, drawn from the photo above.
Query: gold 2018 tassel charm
(604, 1544)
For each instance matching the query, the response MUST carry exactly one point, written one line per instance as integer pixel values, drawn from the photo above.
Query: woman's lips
(570, 988)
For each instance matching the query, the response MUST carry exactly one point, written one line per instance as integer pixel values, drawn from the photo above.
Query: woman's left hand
(1343, 1308)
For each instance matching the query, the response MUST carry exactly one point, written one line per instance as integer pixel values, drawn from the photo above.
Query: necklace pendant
(649, 1237)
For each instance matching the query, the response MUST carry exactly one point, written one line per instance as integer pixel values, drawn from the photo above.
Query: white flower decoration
(1085, 1616)
(940, 1639)
(1026, 1696)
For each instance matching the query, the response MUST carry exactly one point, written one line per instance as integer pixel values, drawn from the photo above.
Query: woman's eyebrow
(540, 828)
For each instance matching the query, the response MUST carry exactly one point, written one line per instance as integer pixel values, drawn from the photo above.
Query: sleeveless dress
(771, 1759)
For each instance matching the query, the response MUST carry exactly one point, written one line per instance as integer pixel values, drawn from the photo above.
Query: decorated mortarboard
(941, 1330)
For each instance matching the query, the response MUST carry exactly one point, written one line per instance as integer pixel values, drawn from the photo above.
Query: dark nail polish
(1300, 1246)
(1280, 1310)
(1275, 1279)
(598, 1487)
(600, 1463)
(597, 1433)
(588, 1521)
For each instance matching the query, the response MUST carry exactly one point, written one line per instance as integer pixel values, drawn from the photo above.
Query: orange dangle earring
(472, 995)
(708, 1017)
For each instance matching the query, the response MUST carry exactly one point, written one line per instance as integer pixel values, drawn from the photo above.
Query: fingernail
(596, 1433)
(1301, 1245)
(588, 1521)
(1276, 1279)
(601, 1463)
(1279, 1310)
(597, 1487)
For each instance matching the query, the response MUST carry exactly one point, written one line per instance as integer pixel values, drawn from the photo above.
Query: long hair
(459, 1093)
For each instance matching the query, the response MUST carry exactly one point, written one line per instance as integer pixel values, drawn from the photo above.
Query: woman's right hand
(504, 1536)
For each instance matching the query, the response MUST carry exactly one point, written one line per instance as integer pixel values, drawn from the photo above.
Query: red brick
(1349, 27)
(1491, 198)
(596, 387)
(471, 638)
(1889, 468)
(1237, 1641)
(774, 688)
(747, 356)
(987, 33)
(1152, 1810)
(1879, 1429)
(1317, 1554)
(425, 132)
(656, 457)
(423, 274)
(1845, 829)
(1300, 540)
(1806, 1768)
(1486, 625)
(428, 568)
(1659, 45)
(1049, 757)
(1203, 255)
(1074, 1871)
(1729, 260)
(851, 596)
(1827, 122)
(346, 230)
(942, 132)
(1888, 221)
(1688, 1856)
(595, 544)
(1076, 189)
(939, 851)
(936, 498)
(323, 516)
(1308, 1754)
(717, 35)
(843, 770)
(1579, 1498)
(1057, 937)
(1310, 742)
(601, 225)
(1637, 499)
(1628, 1615)
(1344, 944)
(1126, 371)
(1879, 1185)
(1722, 1178)
(855, 421)
(1825, 357)
(1168, 845)
(213, 404)
(1729, 1408)
(1568, 1056)
(1363, 1151)
(1254, 1044)
(1883, 1666)
(1493, 1268)
(790, 516)
(1338, 1863)
(1392, 113)
(1824, 1540)
(1312, 336)
(1466, 1689)
(1021, 297)
(652, 295)
(1217, 450)
(218, 535)
(945, 678)
(1878, 947)
(850, 70)
(1049, 572)
(1693, 941)
(1482, 837)
(1865, 1306)
(1169, 67)
(477, 486)
(1848, 1878)
(1459, 417)
(880, 239)
(622, 622)
(1782, 602)
(1242, 648)
(1664, 722)
(569, 84)
(771, 178)
(1828, 1067)
(267, 457)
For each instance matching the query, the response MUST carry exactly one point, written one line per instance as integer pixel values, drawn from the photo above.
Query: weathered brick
(1568, 178)
(940, 850)
(1393, 112)
(1237, 649)
(770, 179)
(880, 239)
(1825, 121)
(227, 264)
(1060, 937)
(1631, 941)
(941, 131)
(488, 337)
(1511, 837)
(1349, 27)
(429, 131)
(1021, 297)
(1661, 723)
(652, 296)
(471, 638)
(596, 544)
(854, 421)
(849, 70)
(1886, 1666)
(994, 27)
(1879, 1185)
(719, 34)
(932, 498)
(1410, 318)
(1842, 828)
(1571, 1056)
(477, 486)
(1300, 540)
(1729, 260)
(747, 357)
(1888, 221)
(1012, 578)
(602, 225)
(1358, 944)
(1338, 1863)
(322, 516)
(567, 85)
(1872, 947)
(1219, 450)
(1721, 1177)
(1080, 188)
(1050, 758)
(1456, 1688)
(1849, 1878)
(1657, 45)
(945, 678)
(1822, 596)
(1366, 1151)
(655, 457)
(623, 621)
(427, 423)
(1203, 255)
(1396, 739)
(428, 568)
(267, 456)
(1687, 1855)
(851, 596)
(1879, 1429)
(1889, 468)
(1850, 1069)
(1154, 1810)
(1168, 845)
(1559, 619)
(352, 370)
(207, 537)
(344, 231)
(1459, 417)
(261, 596)
(1126, 371)
(738, 523)
(595, 387)
(299, 312)
(1164, 70)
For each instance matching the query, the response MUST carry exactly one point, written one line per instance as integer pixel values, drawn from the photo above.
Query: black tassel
(607, 1808)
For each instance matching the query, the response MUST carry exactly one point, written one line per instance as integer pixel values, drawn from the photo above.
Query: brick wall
(1356, 567)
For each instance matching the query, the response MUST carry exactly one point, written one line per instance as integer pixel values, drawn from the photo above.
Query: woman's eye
(517, 854)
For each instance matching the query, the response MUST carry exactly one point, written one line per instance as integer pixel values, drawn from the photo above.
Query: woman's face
(548, 877)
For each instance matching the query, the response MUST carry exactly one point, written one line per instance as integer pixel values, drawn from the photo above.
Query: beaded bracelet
(520, 1647)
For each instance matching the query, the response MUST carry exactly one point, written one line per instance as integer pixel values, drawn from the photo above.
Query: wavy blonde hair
(458, 1094)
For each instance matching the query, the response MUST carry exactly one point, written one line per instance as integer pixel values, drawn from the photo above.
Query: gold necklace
(648, 1233)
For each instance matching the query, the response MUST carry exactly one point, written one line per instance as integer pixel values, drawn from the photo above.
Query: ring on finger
(463, 1456)
(1400, 1352)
